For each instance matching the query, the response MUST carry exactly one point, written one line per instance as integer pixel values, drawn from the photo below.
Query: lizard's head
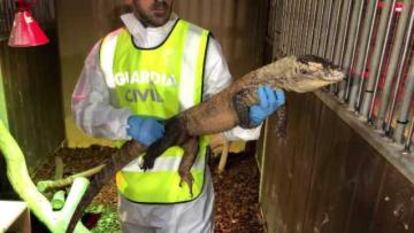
(309, 74)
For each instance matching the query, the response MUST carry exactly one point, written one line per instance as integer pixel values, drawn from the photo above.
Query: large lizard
(222, 112)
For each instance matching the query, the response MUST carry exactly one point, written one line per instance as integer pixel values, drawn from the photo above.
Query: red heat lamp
(26, 32)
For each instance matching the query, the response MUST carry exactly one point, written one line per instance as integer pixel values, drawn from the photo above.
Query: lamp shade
(26, 32)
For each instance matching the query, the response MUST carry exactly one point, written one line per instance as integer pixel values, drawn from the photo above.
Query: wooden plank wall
(239, 26)
(327, 178)
(32, 89)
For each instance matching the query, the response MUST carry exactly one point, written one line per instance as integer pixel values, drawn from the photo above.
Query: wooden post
(224, 156)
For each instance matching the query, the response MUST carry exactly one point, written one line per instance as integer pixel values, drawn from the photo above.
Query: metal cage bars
(372, 41)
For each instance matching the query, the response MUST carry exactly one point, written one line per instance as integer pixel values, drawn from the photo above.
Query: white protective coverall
(94, 114)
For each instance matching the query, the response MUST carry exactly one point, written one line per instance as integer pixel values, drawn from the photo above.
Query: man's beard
(150, 19)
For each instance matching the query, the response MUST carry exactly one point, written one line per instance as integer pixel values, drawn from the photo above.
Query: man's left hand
(269, 101)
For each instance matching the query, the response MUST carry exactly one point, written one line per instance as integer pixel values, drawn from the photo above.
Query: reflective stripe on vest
(158, 82)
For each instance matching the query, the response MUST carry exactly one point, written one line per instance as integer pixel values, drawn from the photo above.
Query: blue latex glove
(269, 101)
(145, 130)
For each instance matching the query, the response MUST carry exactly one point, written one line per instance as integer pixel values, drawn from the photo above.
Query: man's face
(153, 13)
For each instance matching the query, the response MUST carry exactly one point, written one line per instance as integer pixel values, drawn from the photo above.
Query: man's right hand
(145, 130)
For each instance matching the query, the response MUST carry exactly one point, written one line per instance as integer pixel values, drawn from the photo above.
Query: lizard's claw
(147, 164)
(187, 178)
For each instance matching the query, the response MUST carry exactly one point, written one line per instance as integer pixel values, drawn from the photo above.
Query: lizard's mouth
(312, 59)
(329, 71)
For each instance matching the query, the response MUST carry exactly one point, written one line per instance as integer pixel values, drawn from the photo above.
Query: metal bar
(277, 44)
(377, 61)
(285, 26)
(334, 30)
(272, 18)
(295, 25)
(302, 28)
(326, 25)
(351, 47)
(403, 58)
(306, 26)
(351, 76)
(271, 21)
(366, 33)
(405, 107)
(296, 37)
(298, 27)
(371, 33)
(408, 142)
(279, 35)
(343, 32)
(392, 68)
(291, 25)
(334, 37)
(318, 31)
(312, 27)
(286, 23)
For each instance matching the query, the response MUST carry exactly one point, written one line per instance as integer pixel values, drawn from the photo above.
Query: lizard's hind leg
(190, 153)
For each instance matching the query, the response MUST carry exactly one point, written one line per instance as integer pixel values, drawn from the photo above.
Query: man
(133, 80)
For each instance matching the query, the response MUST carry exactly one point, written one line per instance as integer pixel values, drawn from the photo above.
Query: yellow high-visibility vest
(158, 82)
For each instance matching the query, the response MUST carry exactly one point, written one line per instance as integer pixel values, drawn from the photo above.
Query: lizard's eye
(305, 71)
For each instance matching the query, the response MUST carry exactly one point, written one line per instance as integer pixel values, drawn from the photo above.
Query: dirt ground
(236, 207)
